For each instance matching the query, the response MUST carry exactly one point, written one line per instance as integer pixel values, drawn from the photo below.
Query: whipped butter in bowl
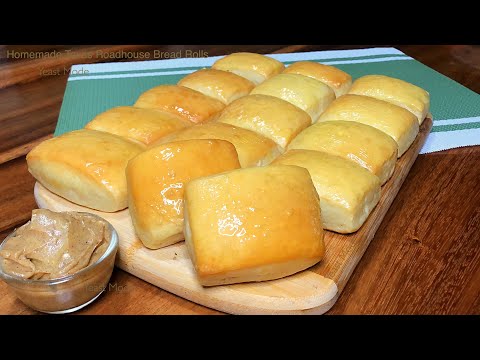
(59, 262)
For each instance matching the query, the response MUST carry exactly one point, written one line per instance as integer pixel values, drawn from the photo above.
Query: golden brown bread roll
(348, 192)
(338, 80)
(253, 224)
(156, 180)
(142, 125)
(393, 120)
(221, 85)
(255, 67)
(267, 115)
(86, 167)
(395, 91)
(363, 144)
(180, 100)
(308, 94)
(253, 149)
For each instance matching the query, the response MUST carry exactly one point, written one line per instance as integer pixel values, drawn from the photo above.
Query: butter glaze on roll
(395, 91)
(254, 67)
(338, 80)
(363, 144)
(253, 224)
(267, 115)
(156, 180)
(221, 85)
(348, 192)
(190, 104)
(310, 95)
(142, 125)
(393, 120)
(86, 167)
(253, 149)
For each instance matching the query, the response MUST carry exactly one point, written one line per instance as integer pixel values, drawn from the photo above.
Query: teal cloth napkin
(94, 88)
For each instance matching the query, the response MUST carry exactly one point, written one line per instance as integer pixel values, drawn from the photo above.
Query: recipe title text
(107, 55)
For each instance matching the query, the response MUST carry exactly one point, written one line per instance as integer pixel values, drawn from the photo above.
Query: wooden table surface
(424, 259)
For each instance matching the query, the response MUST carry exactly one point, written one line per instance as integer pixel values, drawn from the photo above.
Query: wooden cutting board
(313, 291)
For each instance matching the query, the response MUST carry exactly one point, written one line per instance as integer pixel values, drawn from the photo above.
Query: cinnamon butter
(53, 245)
(59, 262)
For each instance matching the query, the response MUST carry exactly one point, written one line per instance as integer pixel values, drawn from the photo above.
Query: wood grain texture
(16, 200)
(426, 257)
(391, 278)
(313, 291)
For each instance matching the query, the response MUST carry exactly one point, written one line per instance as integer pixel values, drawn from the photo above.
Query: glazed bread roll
(190, 104)
(395, 91)
(86, 167)
(254, 67)
(253, 224)
(221, 85)
(156, 180)
(308, 94)
(253, 149)
(269, 116)
(141, 125)
(363, 144)
(393, 120)
(348, 192)
(338, 80)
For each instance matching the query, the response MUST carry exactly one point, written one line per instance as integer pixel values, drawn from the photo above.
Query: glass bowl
(69, 293)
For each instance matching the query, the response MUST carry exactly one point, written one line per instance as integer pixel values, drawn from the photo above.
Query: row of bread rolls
(182, 148)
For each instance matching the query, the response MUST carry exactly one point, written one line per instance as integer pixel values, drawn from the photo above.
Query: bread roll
(395, 91)
(141, 125)
(253, 224)
(179, 100)
(393, 120)
(306, 93)
(221, 85)
(338, 80)
(86, 167)
(363, 144)
(348, 192)
(156, 180)
(255, 67)
(269, 116)
(253, 149)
